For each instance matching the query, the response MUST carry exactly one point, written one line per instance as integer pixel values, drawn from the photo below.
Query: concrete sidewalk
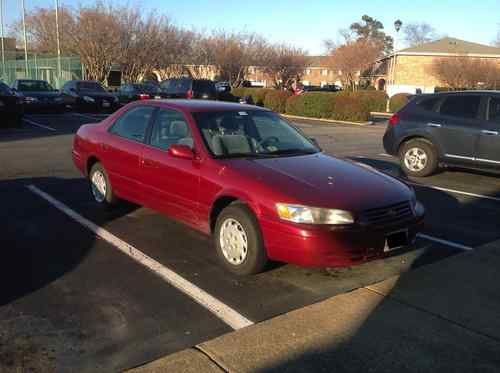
(444, 317)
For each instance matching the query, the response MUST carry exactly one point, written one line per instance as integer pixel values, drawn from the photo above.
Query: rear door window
(134, 123)
(494, 110)
(203, 86)
(465, 107)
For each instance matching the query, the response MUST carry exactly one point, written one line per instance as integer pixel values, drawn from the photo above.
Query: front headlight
(88, 99)
(30, 100)
(313, 215)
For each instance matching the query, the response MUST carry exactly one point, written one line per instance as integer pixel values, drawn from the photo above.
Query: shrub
(258, 94)
(276, 100)
(337, 106)
(374, 100)
(397, 102)
(312, 104)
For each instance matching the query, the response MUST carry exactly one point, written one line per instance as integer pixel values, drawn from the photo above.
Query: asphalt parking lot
(107, 299)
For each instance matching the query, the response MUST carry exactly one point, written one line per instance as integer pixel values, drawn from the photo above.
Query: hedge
(397, 102)
(375, 100)
(276, 100)
(257, 94)
(337, 106)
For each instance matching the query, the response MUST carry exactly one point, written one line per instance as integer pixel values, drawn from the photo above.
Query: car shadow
(39, 243)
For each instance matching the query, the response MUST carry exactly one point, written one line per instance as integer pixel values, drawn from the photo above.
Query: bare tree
(284, 64)
(419, 33)
(352, 58)
(467, 73)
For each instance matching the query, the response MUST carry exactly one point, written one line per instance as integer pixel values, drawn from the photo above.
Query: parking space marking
(88, 116)
(29, 121)
(445, 242)
(384, 155)
(497, 199)
(228, 315)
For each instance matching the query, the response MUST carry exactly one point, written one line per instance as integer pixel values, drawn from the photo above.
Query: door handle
(104, 147)
(435, 125)
(148, 163)
(490, 133)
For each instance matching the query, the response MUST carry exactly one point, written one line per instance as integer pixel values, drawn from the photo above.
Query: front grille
(388, 214)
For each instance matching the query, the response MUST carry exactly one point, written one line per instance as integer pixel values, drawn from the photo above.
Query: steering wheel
(268, 141)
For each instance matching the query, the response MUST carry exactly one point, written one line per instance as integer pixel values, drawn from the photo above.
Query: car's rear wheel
(418, 158)
(238, 241)
(100, 187)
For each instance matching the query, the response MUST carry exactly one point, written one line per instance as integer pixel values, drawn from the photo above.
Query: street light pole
(25, 39)
(3, 36)
(58, 45)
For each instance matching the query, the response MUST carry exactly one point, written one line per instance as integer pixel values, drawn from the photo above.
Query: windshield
(34, 86)
(89, 86)
(231, 134)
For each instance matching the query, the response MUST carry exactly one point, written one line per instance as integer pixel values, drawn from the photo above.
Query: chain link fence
(42, 68)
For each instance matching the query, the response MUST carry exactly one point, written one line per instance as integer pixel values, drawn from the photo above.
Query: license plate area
(396, 240)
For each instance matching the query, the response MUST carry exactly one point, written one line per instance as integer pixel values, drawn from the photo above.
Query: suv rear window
(428, 103)
(203, 86)
(461, 106)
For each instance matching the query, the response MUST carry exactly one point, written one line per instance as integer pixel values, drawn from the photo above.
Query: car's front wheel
(100, 186)
(238, 241)
(418, 158)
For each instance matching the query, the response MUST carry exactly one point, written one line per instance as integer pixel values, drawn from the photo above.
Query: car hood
(40, 94)
(96, 94)
(320, 180)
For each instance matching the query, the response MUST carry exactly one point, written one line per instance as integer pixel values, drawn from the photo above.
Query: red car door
(121, 152)
(171, 184)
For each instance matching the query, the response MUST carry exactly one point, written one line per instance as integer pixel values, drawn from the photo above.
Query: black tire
(425, 149)
(109, 198)
(256, 256)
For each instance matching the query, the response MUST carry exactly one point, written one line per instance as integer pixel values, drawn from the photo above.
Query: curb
(328, 120)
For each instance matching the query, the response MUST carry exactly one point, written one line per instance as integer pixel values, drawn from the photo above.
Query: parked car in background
(132, 92)
(223, 86)
(81, 95)
(251, 180)
(188, 88)
(11, 108)
(325, 88)
(446, 129)
(38, 95)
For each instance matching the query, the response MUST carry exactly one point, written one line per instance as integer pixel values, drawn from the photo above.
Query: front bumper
(325, 246)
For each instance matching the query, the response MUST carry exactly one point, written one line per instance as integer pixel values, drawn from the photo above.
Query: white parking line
(385, 155)
(445, 242)
(38, 125)
(86, 116)
(215, 306)
(497, 199)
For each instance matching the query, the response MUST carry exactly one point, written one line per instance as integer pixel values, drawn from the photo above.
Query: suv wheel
(418, 158)
(238, 241)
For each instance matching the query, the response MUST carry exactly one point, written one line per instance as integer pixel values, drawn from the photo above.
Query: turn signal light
(394, 120)
(189, 94)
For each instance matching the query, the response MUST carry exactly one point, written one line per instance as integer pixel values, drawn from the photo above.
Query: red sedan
(246, 176)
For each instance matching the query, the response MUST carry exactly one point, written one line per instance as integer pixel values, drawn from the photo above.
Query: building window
(307, 71)
(340, 72)
(251, 70)
(324, 72)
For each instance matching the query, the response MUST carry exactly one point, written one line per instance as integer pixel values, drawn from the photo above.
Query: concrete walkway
(444, 317)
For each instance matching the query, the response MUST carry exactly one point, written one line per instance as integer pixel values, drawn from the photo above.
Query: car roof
(206, 105)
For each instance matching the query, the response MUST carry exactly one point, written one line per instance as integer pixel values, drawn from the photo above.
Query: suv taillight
(189, 94)
(143, 96)
(394, 120)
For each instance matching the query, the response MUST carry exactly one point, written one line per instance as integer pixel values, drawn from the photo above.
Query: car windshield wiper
(291, 152)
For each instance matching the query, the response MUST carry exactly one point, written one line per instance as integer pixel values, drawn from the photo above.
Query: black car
(11, 108)
(325, 88)
(132, 92)
(38, 95)
(82, 95)
(188, 88)
(446, 129)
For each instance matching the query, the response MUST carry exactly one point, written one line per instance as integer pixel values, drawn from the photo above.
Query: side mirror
(181, 151)
(315, 142)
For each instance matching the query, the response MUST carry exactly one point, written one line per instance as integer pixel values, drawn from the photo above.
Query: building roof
(318, 61)
(451, 46)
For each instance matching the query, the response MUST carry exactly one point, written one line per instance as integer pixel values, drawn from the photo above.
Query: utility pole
(58, 45)
(25, 39)
(3, 36)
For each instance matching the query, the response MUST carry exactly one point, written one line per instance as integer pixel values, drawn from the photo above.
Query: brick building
(409, 70)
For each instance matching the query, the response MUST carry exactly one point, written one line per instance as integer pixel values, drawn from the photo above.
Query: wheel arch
(226, 199)
(424, 138)
(91, 161)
